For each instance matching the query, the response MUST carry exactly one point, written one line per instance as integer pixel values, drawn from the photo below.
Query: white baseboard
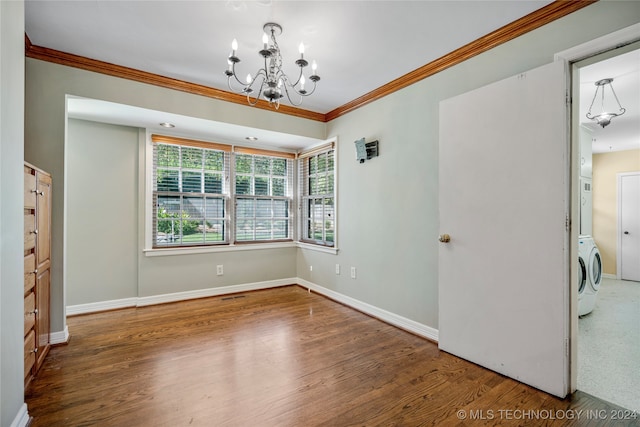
(60, 337)
(22, 417)
(609, 276)
(212, 292)
(386, 316)
(95, 307)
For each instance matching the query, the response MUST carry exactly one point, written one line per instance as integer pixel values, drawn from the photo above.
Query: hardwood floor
(279, 357)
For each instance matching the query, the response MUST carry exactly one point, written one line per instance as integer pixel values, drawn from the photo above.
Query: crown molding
(530, 22)
(88, 64)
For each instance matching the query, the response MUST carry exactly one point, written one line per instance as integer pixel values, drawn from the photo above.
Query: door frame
(572, 55)
(619, 177)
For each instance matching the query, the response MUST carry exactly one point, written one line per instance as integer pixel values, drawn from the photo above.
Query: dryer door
(582, 276)
(595, 269)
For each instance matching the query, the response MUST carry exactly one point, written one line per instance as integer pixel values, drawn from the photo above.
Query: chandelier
(270, 81)
(604, 118)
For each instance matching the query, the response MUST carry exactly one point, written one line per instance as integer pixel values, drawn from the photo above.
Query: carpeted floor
(609, 345)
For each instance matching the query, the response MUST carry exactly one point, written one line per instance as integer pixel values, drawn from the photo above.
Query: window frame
(289, 177)
(147, 175)
(305, 196)
(156, 142)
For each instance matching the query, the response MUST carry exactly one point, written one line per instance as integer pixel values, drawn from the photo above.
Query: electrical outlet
(311, 268)
(353, 272)
(219, 270)
(337, 268)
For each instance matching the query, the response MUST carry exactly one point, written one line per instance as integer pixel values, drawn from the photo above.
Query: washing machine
(590, 274)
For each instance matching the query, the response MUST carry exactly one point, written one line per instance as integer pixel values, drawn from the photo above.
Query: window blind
(263, 193)
(316, 187)
(190, 192)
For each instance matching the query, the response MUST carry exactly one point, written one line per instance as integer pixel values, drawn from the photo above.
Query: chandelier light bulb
(314, 67)
(249, 79)
(265, 40)
(301, 50)
(301, 82)
(234, 46)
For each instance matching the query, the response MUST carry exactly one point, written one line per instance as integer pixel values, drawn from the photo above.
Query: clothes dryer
(590, 255)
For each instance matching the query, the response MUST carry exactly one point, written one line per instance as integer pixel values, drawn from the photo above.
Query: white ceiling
(623, 133)
(358, 45)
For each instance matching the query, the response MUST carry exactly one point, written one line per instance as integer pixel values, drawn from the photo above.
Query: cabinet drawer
(29, 312)
(29, 272)
(29, 189)
(29, 232)
(29, 352)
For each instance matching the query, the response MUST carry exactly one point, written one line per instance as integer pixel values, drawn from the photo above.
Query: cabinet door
(42, 316)
(43, 212)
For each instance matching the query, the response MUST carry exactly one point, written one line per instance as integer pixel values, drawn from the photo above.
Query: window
(190, 192)
(214, 194)
(263, 195)
(317, 194)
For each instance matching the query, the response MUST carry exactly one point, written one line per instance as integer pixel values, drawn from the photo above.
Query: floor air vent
(233, 297)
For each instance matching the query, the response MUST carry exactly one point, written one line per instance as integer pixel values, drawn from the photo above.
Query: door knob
(626, 232)
(444, 238)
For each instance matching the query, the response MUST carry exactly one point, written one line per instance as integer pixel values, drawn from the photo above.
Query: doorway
(608, 348)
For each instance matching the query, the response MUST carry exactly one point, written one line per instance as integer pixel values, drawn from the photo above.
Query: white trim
(590, 48)
(616, 39)
(174, 297)
(94, 307)
(383, 315)
(619, 177)
(60, 337)
(609, 276)
(211, 292)
(22, 417)
(217, 248)
(317, 248)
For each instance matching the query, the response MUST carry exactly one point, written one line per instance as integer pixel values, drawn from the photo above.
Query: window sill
(213, 249)
(317, 248)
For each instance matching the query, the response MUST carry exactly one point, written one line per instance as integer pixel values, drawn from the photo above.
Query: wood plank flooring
(280, 357)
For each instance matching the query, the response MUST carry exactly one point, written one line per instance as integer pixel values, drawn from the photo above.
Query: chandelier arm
(294, 103)
(299, 77)
(620, 107)
(589, 116)
(234, 75)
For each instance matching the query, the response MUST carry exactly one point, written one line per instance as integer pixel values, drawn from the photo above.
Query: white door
(629, 227)
(504, 198)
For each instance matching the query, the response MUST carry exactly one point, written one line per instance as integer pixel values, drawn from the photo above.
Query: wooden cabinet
(37, 268)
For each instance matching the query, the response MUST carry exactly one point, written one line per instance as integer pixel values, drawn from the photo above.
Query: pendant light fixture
(270, 82)
(604, 118)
